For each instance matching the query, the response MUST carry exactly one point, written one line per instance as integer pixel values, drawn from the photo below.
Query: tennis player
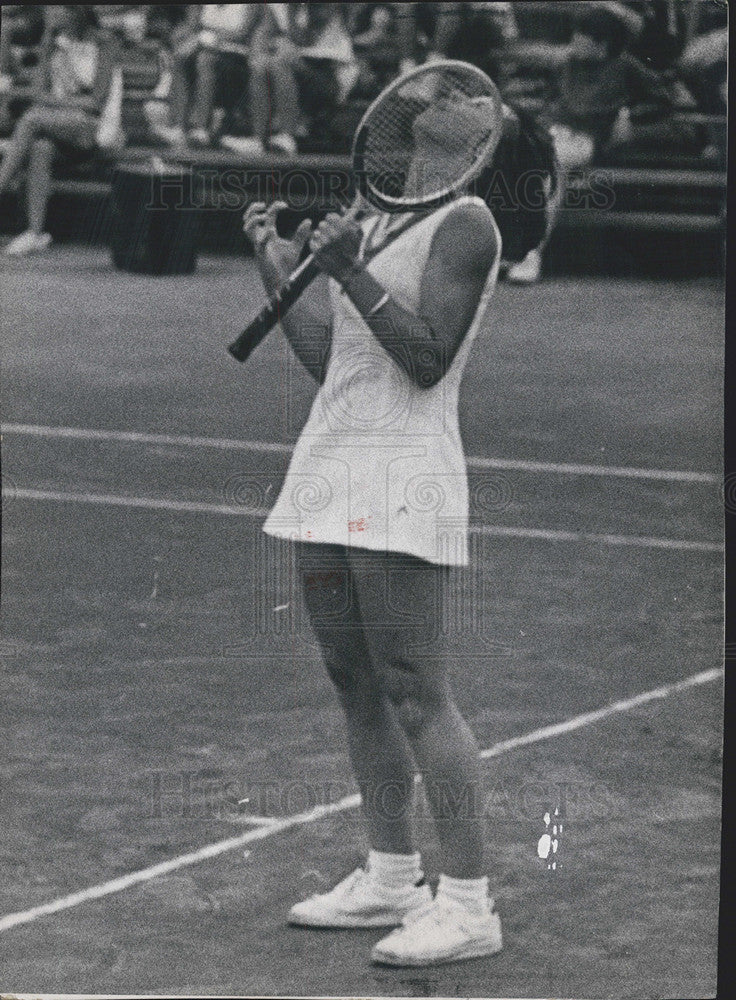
(376, 499)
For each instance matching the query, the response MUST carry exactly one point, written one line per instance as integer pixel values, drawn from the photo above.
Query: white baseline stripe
(501, 531)
(348, 802)
(277, 448)
(136, 437)
(144, 503)
(601, 713)
(245, 820)
(637, 541)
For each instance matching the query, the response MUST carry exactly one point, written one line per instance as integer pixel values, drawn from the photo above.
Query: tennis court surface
(152, 681)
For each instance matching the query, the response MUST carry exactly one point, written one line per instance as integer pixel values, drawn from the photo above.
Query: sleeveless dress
(380, 464)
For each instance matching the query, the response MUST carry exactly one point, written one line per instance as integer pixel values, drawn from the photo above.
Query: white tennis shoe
(528, 271)
(444, 931)
(358, 901)
(27, 243)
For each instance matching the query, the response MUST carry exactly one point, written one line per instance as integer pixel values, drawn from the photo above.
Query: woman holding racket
(376, 497)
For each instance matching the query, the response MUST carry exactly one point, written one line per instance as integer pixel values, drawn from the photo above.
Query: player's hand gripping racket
(278, 304)
(422, 140)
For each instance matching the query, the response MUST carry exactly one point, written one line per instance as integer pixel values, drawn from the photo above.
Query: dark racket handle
(279, 304)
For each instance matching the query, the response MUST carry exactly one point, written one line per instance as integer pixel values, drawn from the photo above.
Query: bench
(626, 198)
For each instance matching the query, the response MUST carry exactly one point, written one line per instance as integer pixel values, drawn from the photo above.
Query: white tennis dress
(380, 462)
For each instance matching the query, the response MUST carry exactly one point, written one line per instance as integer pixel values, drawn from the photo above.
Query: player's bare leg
(391, 884)
(379, 751)
(411, 663)
(410, 660)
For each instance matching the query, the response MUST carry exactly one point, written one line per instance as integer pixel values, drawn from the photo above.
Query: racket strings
(429, 134)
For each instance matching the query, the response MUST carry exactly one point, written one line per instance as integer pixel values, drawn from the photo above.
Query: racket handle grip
(278, 305)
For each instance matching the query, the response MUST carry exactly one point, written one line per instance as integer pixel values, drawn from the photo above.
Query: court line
(143, 503)
(245, 820)
(587, 718)
(501, 531)
(635, 541)
(347, 802)
(474, 462)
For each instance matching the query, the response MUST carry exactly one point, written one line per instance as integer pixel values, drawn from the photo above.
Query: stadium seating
(635, 193)
(621, 199)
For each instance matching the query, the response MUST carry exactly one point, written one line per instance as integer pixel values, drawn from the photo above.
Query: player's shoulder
(469, 228)
(472, 215)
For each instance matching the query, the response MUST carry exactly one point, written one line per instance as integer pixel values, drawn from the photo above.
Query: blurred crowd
(296, 76)
(606, 78)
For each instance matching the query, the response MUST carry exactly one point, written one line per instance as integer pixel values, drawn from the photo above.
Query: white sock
(471, 892)
(395, 871)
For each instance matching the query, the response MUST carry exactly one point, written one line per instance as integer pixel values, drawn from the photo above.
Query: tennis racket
(421, 141)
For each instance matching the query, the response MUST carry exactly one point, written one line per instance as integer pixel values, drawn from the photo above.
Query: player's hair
(519, 184)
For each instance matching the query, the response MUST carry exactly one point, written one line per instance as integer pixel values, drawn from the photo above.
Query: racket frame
(386, 203)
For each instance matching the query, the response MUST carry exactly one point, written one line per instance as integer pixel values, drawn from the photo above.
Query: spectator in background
(704, 66)
(75, 76)
(598, 79)
(470, 31)
(297, 62)
(476, 33)
(607, 98)
(212, 43)
(126, 20)
(659, 45)
(22, 25)
(374, 31)
(662, 35)
(163, 20)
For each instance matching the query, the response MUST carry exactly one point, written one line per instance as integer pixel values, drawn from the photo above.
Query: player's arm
(308, 323)
(463, 251)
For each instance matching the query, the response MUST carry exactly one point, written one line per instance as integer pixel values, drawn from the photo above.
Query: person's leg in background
(285, 96)
(260, 102)
(278, 108)
(38, 185)
(273, 95)
(574, 151)
(173, 131)
(232, 113)
(319, 101)
(205, 86)
(19, 148)
(67, 125)
(34, 144)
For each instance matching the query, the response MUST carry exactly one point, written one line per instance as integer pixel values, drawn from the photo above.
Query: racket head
(427, 136)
